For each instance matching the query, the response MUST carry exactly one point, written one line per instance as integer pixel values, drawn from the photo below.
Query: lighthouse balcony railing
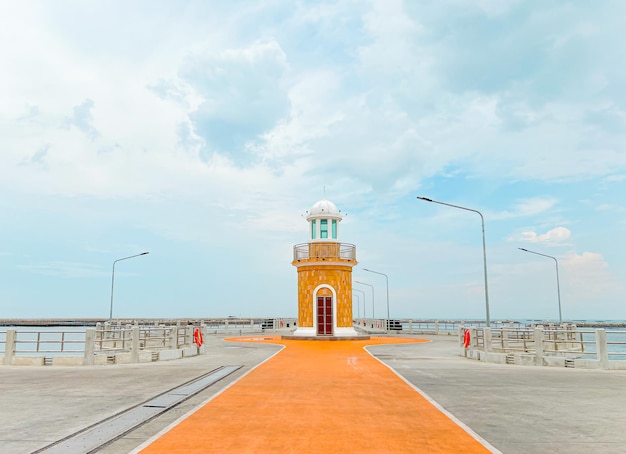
(324, 250)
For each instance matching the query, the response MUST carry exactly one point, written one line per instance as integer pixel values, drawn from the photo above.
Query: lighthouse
(324, 267)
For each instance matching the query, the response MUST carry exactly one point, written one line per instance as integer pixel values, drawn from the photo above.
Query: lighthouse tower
(324, 276)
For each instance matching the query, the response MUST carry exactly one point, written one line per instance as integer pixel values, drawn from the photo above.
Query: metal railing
(523, 340)
(63, 342)
(615, 341)
(324, 250)
(154, 338)
(417, 326)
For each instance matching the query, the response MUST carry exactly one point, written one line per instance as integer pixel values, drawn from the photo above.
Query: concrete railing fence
(565, 346)
(415, 326)
(122, 343)
(133, 341)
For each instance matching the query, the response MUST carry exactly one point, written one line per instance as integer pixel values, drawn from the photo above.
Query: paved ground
(40, 405)
(518, 409)
(316, 396)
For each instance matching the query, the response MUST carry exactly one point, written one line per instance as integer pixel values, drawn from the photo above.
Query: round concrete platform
(326, 338)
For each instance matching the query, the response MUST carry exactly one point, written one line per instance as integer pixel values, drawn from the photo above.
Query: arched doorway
(324, 303)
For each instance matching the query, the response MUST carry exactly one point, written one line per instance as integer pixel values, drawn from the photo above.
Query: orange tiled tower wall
(310, 277)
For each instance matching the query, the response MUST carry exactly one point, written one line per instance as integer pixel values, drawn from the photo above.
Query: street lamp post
(558, 287)
(387, 282)
(372, 287)
(358, 306)
(113, 280)
(482, 219)
(360, 291)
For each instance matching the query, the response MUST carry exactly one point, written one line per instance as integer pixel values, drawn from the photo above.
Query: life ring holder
(197, 337)
(466, 338)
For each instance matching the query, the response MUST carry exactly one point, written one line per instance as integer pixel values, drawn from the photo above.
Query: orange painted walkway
(318, 396)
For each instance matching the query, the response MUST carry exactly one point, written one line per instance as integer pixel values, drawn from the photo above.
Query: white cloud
(495, 7)
(68, 270)
(218, 124)
(527, 207)
(242, 94)
(556, 235)
(388, 104)
(615, 178)
(589, 280)
(585, 261)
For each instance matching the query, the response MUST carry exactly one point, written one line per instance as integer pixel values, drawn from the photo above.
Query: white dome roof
(324, 208)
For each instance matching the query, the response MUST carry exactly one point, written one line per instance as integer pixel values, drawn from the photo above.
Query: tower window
(323, 228)
(334, 229)
(313, 229)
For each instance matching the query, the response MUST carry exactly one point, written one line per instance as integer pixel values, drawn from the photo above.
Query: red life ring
(197, 337)
(466, 338)
(282, 324)
(379, 324)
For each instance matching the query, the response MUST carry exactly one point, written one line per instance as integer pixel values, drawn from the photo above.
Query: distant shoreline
(50, 322)
(93, 321)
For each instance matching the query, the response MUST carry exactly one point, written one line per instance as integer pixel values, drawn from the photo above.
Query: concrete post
(134, 344)
(90, 346)
(127, 337)
(437, 327)
(473, 340)
(538, 338)
(202, 349)
(106, 334)
(487, 339)
(504, 337)
(461, 334)
(173, 340)
(189, 335)
(410, 326)
(602, 348)
(9, 347)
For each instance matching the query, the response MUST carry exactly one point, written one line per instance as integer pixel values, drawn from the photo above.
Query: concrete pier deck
(516, 409)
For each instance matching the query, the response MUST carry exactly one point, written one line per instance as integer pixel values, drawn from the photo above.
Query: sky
(202, 132)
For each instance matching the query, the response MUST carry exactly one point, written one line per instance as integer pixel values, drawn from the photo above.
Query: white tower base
(339, 332)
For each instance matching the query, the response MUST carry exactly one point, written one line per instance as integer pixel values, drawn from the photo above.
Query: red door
(325, 315)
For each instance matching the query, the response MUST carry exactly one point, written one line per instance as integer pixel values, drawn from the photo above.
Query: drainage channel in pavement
(108, 430)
